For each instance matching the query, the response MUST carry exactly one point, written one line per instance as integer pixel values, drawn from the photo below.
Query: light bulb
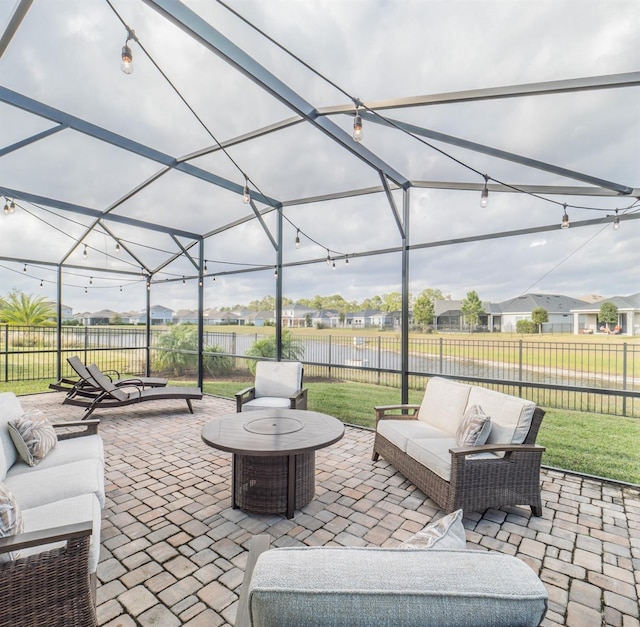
(25, 268)
(90, 280)
(245, 194)
(85, 252)
(205, 266)
(12, 207)
(484, 195)
(565, 219)
(333, 264)
(357, 127)
(7, 211)
(275, 272)
(148, 286)
(214, 279)
(298, 238)
(127, 60)
(41, 284)
(86, 291)
(183, 280)
(346, 261)
(118, 247)
(121, 288)
(616, 222)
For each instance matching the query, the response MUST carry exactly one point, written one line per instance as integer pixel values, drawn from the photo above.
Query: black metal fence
(586, 376)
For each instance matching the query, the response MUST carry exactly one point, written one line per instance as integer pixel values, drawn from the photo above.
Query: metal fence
(596, 377)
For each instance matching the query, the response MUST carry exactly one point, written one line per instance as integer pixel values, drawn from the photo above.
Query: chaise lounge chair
(86, 386)
(113, 396)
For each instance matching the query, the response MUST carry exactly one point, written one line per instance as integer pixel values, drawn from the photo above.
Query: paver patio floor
(174, 551)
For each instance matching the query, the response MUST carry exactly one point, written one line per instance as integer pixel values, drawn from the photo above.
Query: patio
(173, 550)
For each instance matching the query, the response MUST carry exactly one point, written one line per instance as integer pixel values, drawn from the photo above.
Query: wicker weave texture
(49, 589)
(261, 482)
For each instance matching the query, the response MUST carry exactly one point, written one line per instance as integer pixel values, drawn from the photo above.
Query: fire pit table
(273, 466)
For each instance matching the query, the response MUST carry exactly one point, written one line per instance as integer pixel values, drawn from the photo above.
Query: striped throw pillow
(474, 428)
(33, 436)
(445, 533)
(10, 520)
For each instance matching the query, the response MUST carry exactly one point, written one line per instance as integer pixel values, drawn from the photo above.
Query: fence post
(330, 357)
(379, 357)
(440, 357)
(520, 367)
(86, 343)
(6, 353)
(624, 378)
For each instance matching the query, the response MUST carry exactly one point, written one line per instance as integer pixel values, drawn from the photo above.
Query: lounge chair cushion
(445, 533)
(278, 378)
(11, 521)
(399, 432)
(43, 486)
(444, 404)
(65, 512)
(364, 586)
(33, 436)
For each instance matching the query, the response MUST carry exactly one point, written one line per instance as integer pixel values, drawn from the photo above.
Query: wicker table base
(268, 485)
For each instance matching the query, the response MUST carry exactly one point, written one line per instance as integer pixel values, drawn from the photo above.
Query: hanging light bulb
(183, 280)
(149, 285)
(121, 288)
(142, 272)
(246, 197)
(346, 260)
(25, 268)
(86, 291)
(199, 282)
(205, 265)
(118, 247)
(275, 271)
(333, 264)
(85, 252)
(328, 258)
(41, 283)
(565, 219)
(484, 195)
(616, 222)
(357, 126)
(298, 238)
(90, 280)
(214, 279)
(127, 56)
(12, 207)
(7, 210)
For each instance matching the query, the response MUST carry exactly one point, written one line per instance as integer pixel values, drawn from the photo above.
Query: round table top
(272, 432)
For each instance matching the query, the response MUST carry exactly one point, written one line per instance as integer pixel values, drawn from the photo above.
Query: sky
(66, 55)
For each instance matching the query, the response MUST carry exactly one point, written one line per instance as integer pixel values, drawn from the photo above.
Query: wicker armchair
(475, 484)
(53, 587)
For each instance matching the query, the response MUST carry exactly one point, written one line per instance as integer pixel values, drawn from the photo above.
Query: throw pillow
(474, 428)
(33, 436)
(445, 533)
(10, 520)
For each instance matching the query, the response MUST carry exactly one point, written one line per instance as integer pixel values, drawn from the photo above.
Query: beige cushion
(510, 415)
(444, 404)
(267, 402)
(399, 432)
(10, 520)
(445, 533)
(434, 454)
(33, 436)
(10, 409)
(474, 428)
(278, 378)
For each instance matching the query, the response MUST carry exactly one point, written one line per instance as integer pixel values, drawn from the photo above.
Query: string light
(333, 264)
(121, 288)
(346, 260)
(41, 283)
(148, 285)
(214, 279)
(118, 247)
(25, 268)
(245, 193)
(275, 271)
(205, 265)
(616, 222)
(298, 238)
(86, 291)
(7, 210)
(328, 258)
(12, 207)
(85, 252)
(357, 126)
(90, 280)
(565, 218)
(183, 280)
(484, 195)
(127, 56)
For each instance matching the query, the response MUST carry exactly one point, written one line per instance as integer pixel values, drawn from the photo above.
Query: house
(362, 319)
(104, 316)
(158, 314)
(585, 316)
(449, 317)
(558, 307)
(260, 318)
(296, 315)
(67, 312)
(325, 318)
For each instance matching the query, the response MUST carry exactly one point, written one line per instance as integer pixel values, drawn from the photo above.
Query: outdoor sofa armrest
(111, 374)
(299, 399)
(496, 448)
(244, 396)
(45, 536)
(257, 545)
(90, 428)
(409, 412)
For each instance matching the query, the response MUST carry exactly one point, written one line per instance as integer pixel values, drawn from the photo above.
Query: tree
(372, 303)
(608, 315)
(292, 349)
(538, 316)
(25, 310)
(392, 302)
(472, 309)
(424, 307)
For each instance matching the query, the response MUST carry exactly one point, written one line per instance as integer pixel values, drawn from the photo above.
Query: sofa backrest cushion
(278, 378)
(10, 409)
(510, 415)
(444, 404)
(364, 586)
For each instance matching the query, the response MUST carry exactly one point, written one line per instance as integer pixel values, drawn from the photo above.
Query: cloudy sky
(66, 55)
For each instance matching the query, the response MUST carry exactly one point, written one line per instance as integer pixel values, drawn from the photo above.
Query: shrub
(216, 365)
(292, 349)
(526, 326)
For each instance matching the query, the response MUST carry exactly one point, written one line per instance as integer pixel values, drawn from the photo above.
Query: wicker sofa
(53, 581)
(420, 442)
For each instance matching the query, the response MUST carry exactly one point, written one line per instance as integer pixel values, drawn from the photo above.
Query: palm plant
(292, 349)
(22, 309)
